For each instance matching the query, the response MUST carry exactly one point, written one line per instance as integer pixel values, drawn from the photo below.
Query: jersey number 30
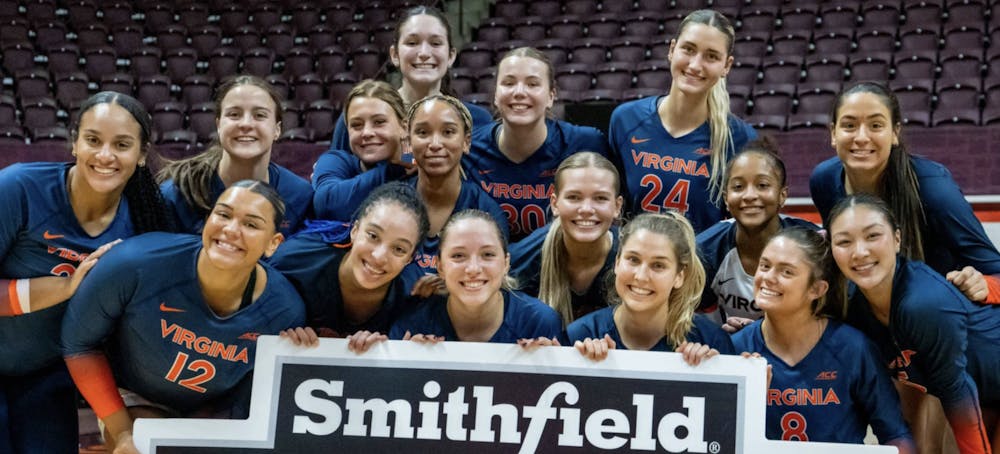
(204, 371)
(676, 199)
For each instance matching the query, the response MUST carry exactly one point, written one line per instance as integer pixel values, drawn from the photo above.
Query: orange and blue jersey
(833, 393)
(294, 191)
(952, 237)
(598, 323)
(523, 188)
(728, 287)
(143, 305)
(941, 343)
(526, 268)
(524, 317)
(341, 141)
(311, 261)
(40, 236)
(662, 172)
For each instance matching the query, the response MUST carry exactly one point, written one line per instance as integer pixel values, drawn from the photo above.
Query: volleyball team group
(431, 220)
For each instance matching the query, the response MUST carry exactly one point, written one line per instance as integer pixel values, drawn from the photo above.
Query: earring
(73, 153)
(142, 163)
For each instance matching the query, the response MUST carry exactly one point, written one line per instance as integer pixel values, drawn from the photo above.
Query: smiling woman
(517, 156)
(480, 306)
(423, 52)
(755, 191)
(357, 276)
(248, 117)
(216, 291)
(691, 126)
(59, 219)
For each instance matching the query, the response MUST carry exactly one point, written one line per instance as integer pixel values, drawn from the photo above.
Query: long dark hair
(898, 185)
(146, 206)
(870, 201)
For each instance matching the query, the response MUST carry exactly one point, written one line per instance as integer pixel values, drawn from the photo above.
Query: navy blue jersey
(471, 196)
(523, 189)
(937, 341)
(665, 172)
(341, 141)
(341, 184)
(40, 236)
(832, 394)
(524, 317)
(294, 191)
(526, 267)
(728, 287)
(598, 323)
(953, 237)
(144, 304)
(312, 264)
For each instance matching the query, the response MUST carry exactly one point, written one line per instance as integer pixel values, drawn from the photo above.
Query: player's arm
(92, 314)
(873, 388)
(22, 296)
(936, 327)
(339, 190)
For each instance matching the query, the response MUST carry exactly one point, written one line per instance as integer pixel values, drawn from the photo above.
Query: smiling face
(239, 230)
(699, 56)
(646, 272)
(248, 123)
(107, 147)
(586, 203)
(784, 281)
(864, 133)
(865, 247)
(754, 193)
(382, 244)
(472, 261)
(438, 138)
(374, 129)
(422, 52)
(523, 91)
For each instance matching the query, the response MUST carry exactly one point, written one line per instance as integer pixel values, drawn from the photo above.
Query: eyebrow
(250, 215)
(119, 136)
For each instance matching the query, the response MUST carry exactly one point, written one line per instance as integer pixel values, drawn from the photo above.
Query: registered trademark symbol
(714, 447)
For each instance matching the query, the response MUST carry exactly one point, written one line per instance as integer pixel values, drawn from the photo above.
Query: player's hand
(423, 338)
(971, 282)
(734, 324)
(86, 265)
(302, 336)
(361, 341)
(595, 349)
(124, 444)
(694, 353)
(429, 284)
(397, 157)
(531, 344)
(757, 355)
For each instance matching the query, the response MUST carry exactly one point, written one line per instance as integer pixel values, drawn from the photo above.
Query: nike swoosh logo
(484, 172)
(725, 280)
(50, 236)
(249, 336)
(638, 141)
(165, 308)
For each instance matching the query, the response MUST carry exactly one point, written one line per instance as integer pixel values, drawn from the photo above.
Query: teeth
(766, 292)
(864, 267)
(473, 285)
(586, 223)
(103, 171)
(246, 139)
(371, 269)
(227, 246)
(640, 291)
